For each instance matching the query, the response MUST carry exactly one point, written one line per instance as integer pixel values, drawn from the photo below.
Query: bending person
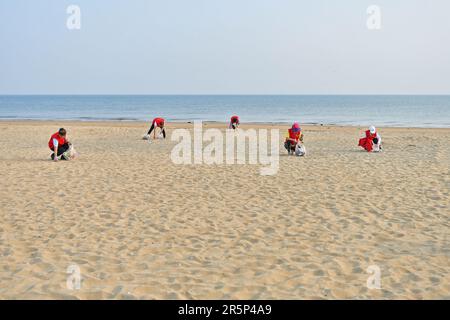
(156, 123)
(234, 122)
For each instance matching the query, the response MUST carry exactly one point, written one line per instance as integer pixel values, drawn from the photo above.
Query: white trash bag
(300, 150)
(377, 148)
(70, 154)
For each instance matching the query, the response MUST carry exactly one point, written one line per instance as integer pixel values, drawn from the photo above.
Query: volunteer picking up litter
(372, 141)
(61, 146)
(294, 141)
(156, 123)
(234, 122)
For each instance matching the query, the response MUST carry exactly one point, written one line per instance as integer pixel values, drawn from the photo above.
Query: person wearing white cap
(372, 141)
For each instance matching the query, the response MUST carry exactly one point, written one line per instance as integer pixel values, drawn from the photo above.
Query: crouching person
(372, 141)
(294, 141)
(61, 146)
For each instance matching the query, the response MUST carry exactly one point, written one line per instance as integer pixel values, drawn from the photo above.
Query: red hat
(295, 127)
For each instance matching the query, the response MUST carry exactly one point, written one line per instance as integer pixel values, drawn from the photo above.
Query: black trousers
(61, 149)
(289, 145)
(153, 128)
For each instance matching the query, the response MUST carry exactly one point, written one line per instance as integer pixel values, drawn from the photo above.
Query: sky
(224, 47)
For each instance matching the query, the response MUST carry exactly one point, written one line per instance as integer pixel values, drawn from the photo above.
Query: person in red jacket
(294, 136)
(372, 140)
(59, 144)
(234, 122)
(157, 122)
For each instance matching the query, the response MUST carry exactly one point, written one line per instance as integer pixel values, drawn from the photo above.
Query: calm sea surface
(402, 110)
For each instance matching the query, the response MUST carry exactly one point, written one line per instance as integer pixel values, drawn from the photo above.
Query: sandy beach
(139, 226)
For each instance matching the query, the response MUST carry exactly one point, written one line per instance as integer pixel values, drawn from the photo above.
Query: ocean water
(381, 110)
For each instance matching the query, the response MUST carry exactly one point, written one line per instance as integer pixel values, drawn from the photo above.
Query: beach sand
(140, 227)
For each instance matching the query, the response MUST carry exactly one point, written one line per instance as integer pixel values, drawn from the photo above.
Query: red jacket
(235, 119)
(367, 142)
(294, 135)
(61, 140)
(158, 121)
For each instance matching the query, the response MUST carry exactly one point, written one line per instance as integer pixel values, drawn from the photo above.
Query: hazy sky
(224, 47)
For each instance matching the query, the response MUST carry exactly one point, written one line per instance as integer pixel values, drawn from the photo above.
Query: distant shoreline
(178, 123)
(326, 110)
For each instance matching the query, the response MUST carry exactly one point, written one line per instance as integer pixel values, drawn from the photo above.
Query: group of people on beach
(63, 149)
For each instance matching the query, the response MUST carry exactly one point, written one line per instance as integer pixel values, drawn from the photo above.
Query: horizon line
(224, 94)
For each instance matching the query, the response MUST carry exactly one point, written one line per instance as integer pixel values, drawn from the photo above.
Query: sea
(431, 111)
